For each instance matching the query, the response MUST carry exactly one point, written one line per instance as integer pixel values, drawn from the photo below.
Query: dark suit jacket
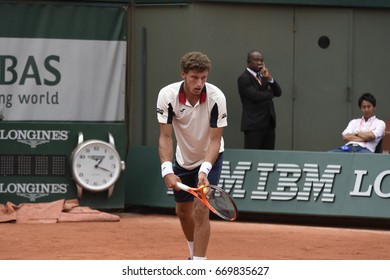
(258, 110)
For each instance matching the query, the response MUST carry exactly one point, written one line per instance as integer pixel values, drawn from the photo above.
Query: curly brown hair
(195, 61)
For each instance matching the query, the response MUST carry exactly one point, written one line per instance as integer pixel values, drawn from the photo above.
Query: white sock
(199, 258)
(191, 248)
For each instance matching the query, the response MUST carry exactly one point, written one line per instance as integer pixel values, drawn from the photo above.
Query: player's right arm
(166, 153)
(165, 143)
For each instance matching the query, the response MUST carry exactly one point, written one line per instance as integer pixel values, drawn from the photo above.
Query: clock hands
(102, 168)
(97, 165)
(99, 162)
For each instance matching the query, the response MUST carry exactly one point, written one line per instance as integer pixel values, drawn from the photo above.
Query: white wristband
(166, 168)
(205, 167)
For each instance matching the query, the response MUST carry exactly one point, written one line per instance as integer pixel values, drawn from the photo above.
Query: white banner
(205, 270)
(62, 80)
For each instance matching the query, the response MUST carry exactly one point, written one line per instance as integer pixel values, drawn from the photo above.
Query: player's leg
(201, 229)
(202, 214)
(184, 205)
(184, 211)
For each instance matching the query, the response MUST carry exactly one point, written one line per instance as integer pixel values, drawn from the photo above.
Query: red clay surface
(159, 237)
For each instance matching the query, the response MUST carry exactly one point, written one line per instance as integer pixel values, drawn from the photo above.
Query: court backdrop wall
(321, 83)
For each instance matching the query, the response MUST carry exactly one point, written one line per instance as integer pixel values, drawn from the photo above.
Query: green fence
(282, 182)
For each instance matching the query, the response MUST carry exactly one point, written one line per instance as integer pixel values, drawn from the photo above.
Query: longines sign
(33, 138)
(33, 191)
(35, 161)
(17, 168)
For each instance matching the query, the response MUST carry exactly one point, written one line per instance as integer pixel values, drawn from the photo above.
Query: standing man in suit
(257, 88)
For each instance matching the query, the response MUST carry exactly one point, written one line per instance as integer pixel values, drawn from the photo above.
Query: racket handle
(182, 186)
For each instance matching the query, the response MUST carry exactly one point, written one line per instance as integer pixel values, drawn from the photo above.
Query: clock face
(96, 165)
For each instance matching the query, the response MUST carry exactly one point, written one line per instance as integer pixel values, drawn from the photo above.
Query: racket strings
(222, 203)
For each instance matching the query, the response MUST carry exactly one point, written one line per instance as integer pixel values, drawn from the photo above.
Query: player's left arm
(212, 151)
(215, 144)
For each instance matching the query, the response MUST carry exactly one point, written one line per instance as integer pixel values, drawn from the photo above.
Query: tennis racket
(215, 198)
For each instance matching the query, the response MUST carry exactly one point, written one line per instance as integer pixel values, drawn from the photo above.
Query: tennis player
(196, 112)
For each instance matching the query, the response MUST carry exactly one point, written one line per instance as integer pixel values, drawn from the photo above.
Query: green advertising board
(35, 162)
(280, 182)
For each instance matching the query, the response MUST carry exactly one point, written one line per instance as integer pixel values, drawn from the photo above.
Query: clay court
(158, 237)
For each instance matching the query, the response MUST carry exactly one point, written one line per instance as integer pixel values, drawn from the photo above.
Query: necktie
(258, 77)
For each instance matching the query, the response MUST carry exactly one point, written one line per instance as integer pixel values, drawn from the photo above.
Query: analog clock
(96, 165)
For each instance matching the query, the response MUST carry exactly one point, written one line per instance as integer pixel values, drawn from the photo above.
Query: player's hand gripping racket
(215, 198)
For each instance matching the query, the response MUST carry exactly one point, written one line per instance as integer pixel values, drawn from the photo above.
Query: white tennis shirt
(192, 123)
